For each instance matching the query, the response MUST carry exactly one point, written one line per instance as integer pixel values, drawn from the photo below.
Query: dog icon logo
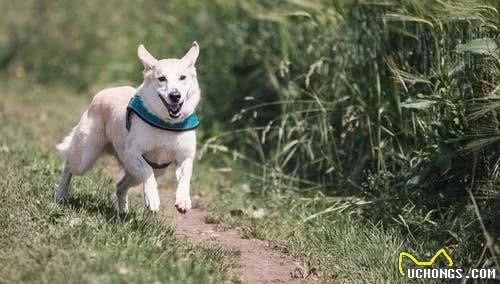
(423, 263)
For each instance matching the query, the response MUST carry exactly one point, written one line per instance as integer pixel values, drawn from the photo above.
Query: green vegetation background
(388, 106)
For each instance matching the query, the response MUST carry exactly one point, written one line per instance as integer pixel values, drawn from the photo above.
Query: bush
(89, 44)
(394, 101)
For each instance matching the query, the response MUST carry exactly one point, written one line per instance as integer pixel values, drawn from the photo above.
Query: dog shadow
(100, 205)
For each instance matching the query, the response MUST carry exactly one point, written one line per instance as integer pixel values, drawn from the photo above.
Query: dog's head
(170, 87)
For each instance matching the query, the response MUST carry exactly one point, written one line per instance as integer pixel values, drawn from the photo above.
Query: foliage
(392, 101)
(87, 240)
(92, 44)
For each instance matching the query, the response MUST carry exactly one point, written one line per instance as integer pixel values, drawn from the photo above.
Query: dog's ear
(190, 58)
(147, 59)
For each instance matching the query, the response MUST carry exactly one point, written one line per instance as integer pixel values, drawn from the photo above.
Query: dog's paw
(183, 204)
(152, 199)
(152, 204)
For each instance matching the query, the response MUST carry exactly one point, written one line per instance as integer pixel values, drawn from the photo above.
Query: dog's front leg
(183, 173)
(138, 167)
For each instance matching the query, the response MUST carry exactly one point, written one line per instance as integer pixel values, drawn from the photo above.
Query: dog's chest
(162, 146)
(160, 157)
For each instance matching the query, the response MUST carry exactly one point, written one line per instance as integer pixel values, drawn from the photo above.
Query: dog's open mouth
(174, 109)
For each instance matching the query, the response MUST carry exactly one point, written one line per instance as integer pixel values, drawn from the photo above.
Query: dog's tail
(65, 145)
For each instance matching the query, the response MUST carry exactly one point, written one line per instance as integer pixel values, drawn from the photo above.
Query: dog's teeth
(174, 109)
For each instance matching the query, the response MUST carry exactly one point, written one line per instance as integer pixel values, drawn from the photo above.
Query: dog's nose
(174, 96)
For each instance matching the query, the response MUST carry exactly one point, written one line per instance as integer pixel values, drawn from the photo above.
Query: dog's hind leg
(80, 148)
(85, 143)
(64, 186)
(122, 188)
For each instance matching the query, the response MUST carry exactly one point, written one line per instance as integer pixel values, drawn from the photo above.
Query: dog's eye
(182, 77)
(162, 79)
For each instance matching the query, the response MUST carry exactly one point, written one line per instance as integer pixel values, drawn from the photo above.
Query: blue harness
(136, 106)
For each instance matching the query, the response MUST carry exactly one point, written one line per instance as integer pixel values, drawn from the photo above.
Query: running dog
(145, 128)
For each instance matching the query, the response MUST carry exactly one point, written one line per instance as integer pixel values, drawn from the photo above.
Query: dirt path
(258, 262)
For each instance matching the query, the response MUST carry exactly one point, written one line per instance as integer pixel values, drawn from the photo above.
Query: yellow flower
(20, 72)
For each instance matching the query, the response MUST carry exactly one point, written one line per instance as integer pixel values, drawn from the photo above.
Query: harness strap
(155, 165)
(136, 106)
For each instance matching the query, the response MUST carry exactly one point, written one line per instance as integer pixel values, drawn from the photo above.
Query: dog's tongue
(174, 108)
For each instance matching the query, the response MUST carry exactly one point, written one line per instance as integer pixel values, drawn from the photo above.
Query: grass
(376, 107)
(335, 246)
(343, 245)
(85, 241)
(336, 238)
(339, 246)
(392, 104)
(90, 240)
(49, 112)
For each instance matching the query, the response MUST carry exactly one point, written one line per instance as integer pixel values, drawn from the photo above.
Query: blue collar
(136, 106)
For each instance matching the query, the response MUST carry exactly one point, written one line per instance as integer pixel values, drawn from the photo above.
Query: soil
(258, 261)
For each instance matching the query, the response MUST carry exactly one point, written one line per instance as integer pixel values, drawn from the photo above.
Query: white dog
(145, 128)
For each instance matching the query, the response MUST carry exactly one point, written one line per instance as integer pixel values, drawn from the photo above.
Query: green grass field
(86, 241)
(91, 242)
(342, 131)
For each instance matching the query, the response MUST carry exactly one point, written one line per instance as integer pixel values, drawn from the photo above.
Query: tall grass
(91, 44)
(371, 96)
(393, 101)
